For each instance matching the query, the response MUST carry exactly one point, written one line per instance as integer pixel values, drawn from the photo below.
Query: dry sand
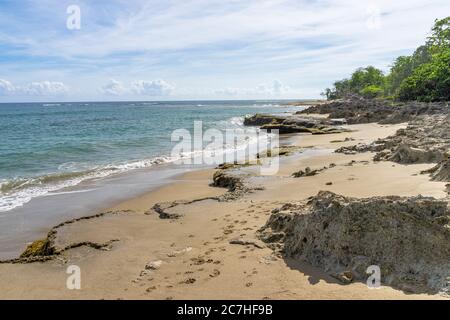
(197, 260)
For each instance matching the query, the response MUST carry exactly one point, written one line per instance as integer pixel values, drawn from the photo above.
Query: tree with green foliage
(440, 35)
(363, 81)
(429, 81)
(372, 91)
(403, 67)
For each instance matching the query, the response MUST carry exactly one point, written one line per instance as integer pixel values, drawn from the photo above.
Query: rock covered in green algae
(38, 248)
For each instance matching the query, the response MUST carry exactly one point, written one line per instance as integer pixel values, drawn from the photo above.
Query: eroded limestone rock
(408, 238)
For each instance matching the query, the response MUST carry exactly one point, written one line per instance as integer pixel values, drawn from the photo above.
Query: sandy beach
(211, 250)
(179, 152)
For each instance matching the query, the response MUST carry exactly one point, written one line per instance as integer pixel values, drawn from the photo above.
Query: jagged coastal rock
(262, 119)
(441, 172)
(408, 238)
(294, 124)
(360, 110)
(426, 139)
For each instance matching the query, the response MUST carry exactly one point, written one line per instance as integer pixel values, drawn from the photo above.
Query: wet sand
(192, 258)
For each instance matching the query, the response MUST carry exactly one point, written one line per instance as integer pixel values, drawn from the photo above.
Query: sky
(58, 50)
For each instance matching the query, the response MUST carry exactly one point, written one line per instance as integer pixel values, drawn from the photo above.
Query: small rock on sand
(242, 241)
(153, 265)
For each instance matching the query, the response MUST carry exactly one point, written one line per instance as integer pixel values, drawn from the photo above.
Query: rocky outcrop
(262, 119)
(426, 139)
(224, 179)
(406, 154)
(440, 172)
(359, 110)
(360, 147)
(408, 238)
(293, 124)
(285, 128)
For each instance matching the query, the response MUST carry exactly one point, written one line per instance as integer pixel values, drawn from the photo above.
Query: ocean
(54, 156)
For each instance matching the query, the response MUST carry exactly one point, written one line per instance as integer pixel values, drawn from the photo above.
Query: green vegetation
(422, 76)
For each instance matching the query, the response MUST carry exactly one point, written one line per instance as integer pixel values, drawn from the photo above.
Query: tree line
(422, 76)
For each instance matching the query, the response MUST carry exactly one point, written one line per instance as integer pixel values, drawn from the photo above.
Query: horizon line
(187, 100)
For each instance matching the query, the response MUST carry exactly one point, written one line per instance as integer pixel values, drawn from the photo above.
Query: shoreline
(96, 195)
(190, 257)
(35, 218)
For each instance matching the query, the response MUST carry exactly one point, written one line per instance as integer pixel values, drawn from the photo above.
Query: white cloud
(212, 43)
(276, 89)
(114, 88)
(157, 88)
(231, 92)
(6, 87)
(42, 88)
(154, 88)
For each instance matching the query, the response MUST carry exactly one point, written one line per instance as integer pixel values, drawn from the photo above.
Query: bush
(372, 91)
(430, 81)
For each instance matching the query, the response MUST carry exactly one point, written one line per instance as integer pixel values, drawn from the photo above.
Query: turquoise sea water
(46, 147)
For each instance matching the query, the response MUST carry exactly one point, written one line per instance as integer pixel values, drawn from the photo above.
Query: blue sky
(200, 49)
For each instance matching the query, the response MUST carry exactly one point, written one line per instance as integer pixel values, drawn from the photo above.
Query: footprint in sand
(188, 281)
(199, 261)
(150, 289)
(215, 273)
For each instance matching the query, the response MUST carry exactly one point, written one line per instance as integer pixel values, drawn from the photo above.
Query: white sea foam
(237, 121)
(17, 192)
(51, 104)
